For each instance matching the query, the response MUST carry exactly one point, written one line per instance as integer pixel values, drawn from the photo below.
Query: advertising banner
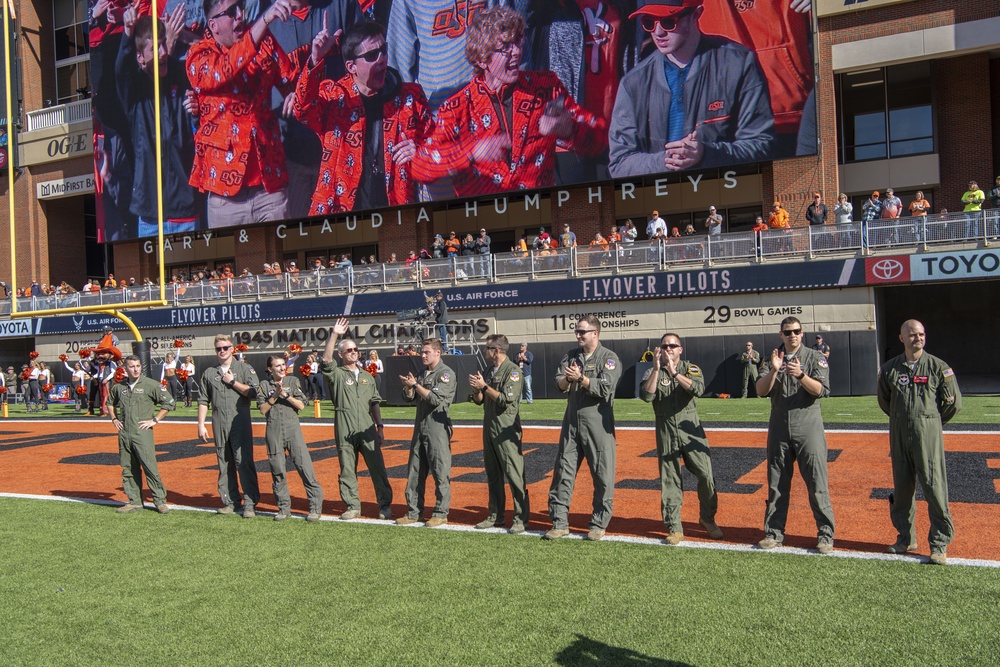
(265, 117)
(658, 285)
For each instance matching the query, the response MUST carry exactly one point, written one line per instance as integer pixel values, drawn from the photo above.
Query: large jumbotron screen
(551, 94)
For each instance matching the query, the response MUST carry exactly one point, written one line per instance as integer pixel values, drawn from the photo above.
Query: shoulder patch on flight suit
(514, 376)
(948, 373)
(564, 359)
(645, 376)
(822, 362)
(445, 378)
(610, 364)
(694, 370)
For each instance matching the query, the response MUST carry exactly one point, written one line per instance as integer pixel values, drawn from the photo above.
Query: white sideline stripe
(628, 539)
(543, 427)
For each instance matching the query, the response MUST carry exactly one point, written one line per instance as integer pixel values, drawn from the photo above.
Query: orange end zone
(81, 460)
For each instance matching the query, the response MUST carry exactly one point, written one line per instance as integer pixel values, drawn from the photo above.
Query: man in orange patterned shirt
(369, 123)
(239, 160)
(500, 132)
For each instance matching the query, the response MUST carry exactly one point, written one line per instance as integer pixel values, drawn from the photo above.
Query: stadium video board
(267, 117)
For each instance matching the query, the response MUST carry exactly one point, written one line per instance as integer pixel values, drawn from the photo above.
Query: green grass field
(837, 410)
(81, 585)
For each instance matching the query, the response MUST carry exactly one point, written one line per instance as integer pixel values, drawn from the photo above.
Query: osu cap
(662, 9)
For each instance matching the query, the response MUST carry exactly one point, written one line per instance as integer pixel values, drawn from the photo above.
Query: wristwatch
(155, 420)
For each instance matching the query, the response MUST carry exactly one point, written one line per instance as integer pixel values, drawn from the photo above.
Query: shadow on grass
(586, 651)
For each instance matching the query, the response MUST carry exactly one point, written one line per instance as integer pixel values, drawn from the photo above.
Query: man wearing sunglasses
(699, 101)
(369, 123)
(795, 378)
(239, 159)
(229, 387)
(359, 422)
(673, 386)
(919, 392)
(303, 150)
(500, 395)
(588, 375)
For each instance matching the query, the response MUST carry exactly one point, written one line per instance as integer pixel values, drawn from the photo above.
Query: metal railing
(864, 237)
(63, 114)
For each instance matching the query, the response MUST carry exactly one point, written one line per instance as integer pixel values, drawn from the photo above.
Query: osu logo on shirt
(716, 105)
(453, 21)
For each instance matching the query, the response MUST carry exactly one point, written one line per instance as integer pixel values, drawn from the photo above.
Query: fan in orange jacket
(500, 132)
(338, 111)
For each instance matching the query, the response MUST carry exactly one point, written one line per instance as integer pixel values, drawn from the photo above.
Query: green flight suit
(588, 432)
(502, 453)
(284, 432)
(796, 433)
(232, 431)
(136, 448)
(430, 448)
(352, 399)
(680, 435)
(918, 401)
(750, 361)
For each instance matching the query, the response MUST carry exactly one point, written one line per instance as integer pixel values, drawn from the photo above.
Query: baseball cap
(438, 236)
(875, 194)
(711, 208)
(664, 8)
(482, 231)
(777, 203)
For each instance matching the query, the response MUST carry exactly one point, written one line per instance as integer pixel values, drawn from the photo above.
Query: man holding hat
(700, 101)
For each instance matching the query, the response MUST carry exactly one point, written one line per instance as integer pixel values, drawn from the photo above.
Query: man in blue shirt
(524, 360)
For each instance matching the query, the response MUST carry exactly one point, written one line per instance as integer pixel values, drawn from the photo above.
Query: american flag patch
(948, 373)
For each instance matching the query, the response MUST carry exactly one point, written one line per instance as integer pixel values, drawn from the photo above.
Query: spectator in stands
(411, 258)
(453, 246)
(656, 228)
(973, 199)
(628, 233)
(567, 239)
(542, 237)
(843, 210)
(713, 223)
(111, 283)
(483, 242)
(613, 238)
(438, 249)
(871, 210)
(689, 230)
(919, 208)
(816, 212)
(892, 207)
(778, 218)
(675, 233)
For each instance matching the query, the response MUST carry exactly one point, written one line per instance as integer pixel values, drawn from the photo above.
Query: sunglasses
(223, 349)
(669, 346)
(349, 349)
(373, 55)
(492, 347)
(667, 23)
(583, 332)
(230, 12)
(792, 332)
